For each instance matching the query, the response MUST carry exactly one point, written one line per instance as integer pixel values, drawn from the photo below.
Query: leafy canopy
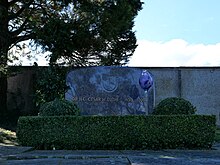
(83, 32)
(78, 33)
(97, 32)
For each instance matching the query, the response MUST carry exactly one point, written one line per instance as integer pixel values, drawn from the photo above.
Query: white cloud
(41, 60)
(24, 61)
(176, 52)
(27, 57)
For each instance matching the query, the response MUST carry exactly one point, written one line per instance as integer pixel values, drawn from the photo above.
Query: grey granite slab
(108, 90)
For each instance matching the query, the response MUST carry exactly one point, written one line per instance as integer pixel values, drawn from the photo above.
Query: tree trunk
(4, 46)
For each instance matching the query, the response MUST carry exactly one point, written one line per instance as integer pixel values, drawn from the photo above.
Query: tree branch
(12, 2)
(18, 39)
(20, 29)
(19, 12)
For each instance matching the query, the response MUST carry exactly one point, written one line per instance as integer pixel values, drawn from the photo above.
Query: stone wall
(21, 92)
(202, 88)
(199, 85)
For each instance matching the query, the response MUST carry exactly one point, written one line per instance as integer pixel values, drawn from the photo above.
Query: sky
(178, 33)
(173, 33)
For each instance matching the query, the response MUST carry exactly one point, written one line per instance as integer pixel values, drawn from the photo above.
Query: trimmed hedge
(117, 132)
(59, 107)
(174, 106)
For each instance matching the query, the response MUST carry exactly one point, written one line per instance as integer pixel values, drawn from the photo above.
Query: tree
(82, 32)
(92, 33)
(18, 19)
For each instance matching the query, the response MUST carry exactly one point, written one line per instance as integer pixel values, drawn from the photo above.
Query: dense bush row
(117, 132)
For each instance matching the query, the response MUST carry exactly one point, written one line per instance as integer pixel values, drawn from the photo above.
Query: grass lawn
(9, 137)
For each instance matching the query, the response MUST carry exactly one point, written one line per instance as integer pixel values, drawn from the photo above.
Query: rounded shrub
(58, 107)
(174, 106)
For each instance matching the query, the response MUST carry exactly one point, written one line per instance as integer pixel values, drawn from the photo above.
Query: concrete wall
(20, 94)
(166, 82)
(199, 85)
(202, 88)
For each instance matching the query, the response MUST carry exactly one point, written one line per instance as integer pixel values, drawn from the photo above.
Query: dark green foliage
(174, 106)
(79, 32)
(50, 83)
(91, 33)
(117, 132)
(217, 135)
(58, 107)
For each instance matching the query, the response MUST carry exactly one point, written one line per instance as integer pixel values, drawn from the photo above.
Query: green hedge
(117, 132)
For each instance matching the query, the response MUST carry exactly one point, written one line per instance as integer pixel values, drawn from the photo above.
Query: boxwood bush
(59, 107)
(117, 132)
(174, 106)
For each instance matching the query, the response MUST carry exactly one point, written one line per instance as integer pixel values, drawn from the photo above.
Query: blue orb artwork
(146, 80)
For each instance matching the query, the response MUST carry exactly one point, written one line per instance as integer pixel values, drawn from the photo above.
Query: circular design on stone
(109, 83)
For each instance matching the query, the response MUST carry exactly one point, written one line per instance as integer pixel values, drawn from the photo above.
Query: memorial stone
(110, 90)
